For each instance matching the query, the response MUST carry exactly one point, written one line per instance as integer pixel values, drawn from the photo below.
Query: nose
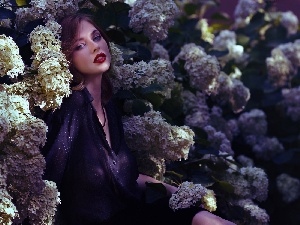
(94, 46)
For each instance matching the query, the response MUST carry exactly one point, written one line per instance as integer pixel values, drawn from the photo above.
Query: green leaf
(21, 2)
(151, 88)
(155, 98)
(225, 186)
(218, 53)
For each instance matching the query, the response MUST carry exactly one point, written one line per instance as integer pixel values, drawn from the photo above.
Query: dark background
(228, 6)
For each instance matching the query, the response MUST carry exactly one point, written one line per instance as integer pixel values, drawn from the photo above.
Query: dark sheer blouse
(94, 180)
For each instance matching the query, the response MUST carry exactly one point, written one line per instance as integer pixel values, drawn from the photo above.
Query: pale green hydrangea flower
(190, 194)
(151, 133)
(11, 63)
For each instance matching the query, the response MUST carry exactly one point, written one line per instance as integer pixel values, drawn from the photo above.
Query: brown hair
(69, 33)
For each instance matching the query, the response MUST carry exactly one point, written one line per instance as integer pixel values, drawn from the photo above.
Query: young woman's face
(91, 54)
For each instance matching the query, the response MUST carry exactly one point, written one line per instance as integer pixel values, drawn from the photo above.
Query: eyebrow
(93, 32)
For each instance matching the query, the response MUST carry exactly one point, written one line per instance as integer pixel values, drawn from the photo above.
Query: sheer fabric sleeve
(60, 137)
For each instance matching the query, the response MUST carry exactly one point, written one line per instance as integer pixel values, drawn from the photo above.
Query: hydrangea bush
(208, 104)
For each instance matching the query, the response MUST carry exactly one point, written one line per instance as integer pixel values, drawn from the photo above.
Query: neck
(94, 87)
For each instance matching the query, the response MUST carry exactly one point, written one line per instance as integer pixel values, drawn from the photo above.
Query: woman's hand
(207, 218)
(142, 179)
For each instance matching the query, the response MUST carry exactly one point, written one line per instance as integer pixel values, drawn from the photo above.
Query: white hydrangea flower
(291, 51)
(151, 133)
(142, 74)
(280, 69)
(206, 33)
(130, 2)
(288, 187)
(43, 37)
(8, 211)
(52, 83)
(203, 69)
(190, 194)
(43, 9)
(246, 8)
(290, 21)
(30, 135)
(5, 125)
(16, 106)
(232, 91)
(42, 207)
(11, 63)
(153, 17)
(226, 40)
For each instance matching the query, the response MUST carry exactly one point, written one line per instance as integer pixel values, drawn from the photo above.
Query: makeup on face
(100, 58)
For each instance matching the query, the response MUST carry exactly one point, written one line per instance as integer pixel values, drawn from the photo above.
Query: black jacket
(94, 180)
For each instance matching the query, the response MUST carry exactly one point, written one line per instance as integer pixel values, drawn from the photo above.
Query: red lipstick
(100, 58)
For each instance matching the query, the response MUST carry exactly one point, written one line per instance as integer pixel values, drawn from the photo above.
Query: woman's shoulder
(70, 105)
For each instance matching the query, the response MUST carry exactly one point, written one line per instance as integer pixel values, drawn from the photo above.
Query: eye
(79, 46)
(97, 37)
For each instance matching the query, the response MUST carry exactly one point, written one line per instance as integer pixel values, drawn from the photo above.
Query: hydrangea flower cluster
(253, 123)
(247, 8)
(171, 142)
(256, 215)
(52, 83)
(190, 194)
(153, 17)
(195, 109)
(218, 140)
(288, 187)
(8, 210)
(25, 165)
(264, 147)
(290, 21)
(226, 40)
(11, 63)
(291, 102)
(43, 9)
(280, 68)
(158, 51)
(249, 182)
(232, 91)
(142, 74)
(42, 208)
(202, 69)
(152, 135)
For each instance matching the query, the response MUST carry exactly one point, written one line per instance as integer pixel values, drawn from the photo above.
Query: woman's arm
(201, 218)
(142, 179)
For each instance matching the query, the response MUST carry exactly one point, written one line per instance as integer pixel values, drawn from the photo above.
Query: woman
(86, 154)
